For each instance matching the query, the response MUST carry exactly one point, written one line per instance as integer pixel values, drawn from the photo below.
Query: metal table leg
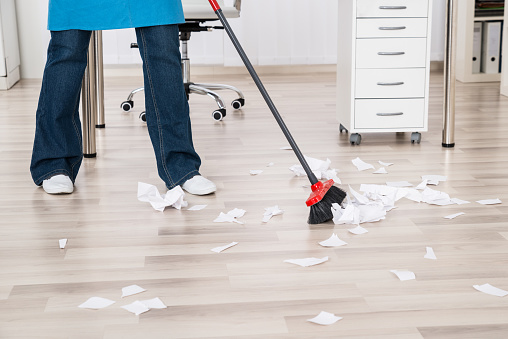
(101, 123)
(449, 75)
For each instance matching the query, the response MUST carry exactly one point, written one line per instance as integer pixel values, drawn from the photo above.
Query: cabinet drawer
(390, 83)
(391, 53)
(392, 28)
(392, 8)
(389, 113)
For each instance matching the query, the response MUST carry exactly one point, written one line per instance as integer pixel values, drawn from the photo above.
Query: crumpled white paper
(306, 262)
(231, 216)
(255, 172)
(225, 247)
(333, 241)
(404, 275)
(489, 289)
(131, 290)
(136, 307)
(270, 212)
(96, 303)
(150, 193)
(320, 168)
(325, 318)
(361, 165)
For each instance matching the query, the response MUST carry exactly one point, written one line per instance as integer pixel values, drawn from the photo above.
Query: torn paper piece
(62, 243)
(422, 185)
(287, 148)
(361, 165)
(231, 216)
(317, 166)
(131, 290)
(385, 164)
(358, 230)
(222, 248)
(459, 201)
(382, 170)
(333, 241)
(372, 212)
(348, 215)
(154, 303)
(325, 318)
(95, 303)
(399, 184)
(434, 197)
(404, 275)
(331, 174)
(489, 289)
(150, 193)
(453, 216)
(270, 164)
(270, 212)
(360, 198)
(306, 262)
(490, 202)
(196, 207)
(434, 179)
(136, 307)
(430, 254)
(255, 172)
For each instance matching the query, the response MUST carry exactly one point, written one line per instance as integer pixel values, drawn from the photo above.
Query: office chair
(197, 12)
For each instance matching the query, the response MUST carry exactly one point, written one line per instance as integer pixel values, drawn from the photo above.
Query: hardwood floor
(247, 291)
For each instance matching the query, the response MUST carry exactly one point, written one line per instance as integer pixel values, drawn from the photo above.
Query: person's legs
(57, 145)
(167, 109)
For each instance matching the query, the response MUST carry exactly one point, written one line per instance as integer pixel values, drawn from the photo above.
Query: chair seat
(205, 12)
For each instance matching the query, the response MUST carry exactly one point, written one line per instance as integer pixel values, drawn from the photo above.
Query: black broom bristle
(322, 211)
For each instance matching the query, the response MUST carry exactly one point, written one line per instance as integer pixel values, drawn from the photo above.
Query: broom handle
(263, 91)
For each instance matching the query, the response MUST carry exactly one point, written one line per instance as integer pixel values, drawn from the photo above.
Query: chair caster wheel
(238, 103)
(219, 114)
(142, 116)
(416, 137)
(127, 105)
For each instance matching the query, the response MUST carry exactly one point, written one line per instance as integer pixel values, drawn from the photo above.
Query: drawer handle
(391, 83)
(391, 53)
(397, 28)
(392, 7)
(389, 114)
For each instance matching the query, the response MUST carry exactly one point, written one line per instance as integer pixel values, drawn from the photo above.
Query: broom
(324, 194)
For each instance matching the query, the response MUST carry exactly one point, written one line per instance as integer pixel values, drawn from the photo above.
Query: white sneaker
(199, 185)
(59, 184)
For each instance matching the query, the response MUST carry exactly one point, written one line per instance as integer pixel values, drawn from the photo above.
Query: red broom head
(319, 190)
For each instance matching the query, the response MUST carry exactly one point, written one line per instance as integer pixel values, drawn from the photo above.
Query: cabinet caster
(127, 105)
(238, 103)
(356, 139)
(219, 114)
(342, 129)
(416, 137)
(142, 116)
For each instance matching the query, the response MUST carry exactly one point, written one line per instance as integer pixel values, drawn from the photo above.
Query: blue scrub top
(96, 15)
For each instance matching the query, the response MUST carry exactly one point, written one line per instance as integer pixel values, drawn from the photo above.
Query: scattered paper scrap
(453, 216)
(358, 230)
(231, 216)
(459, 201)
(404, 275)
(385, 164)
(222, 248)
(62, 243)
(96, 303)
(434, 179)
(489, 289)
(430, 254)
(361, 165)
(288, 148)
(399, 184)
(270, 212)
(150, 193)
(154, 303)
(306, 262)
(196, 207)
(333, 241)
(325, 318)
(270, 164)
(382, 170)
(131, 290)
(136, 307)
(255, 172)
(422, 185)
(348, 215)
(490, 202)
(320, 168)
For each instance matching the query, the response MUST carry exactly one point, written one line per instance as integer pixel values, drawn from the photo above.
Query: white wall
(272, 32)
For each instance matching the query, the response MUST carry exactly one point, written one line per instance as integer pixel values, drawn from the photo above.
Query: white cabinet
(9, 46)
(383, 66)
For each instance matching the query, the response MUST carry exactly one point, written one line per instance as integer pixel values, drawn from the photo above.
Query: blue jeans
(58, 145)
